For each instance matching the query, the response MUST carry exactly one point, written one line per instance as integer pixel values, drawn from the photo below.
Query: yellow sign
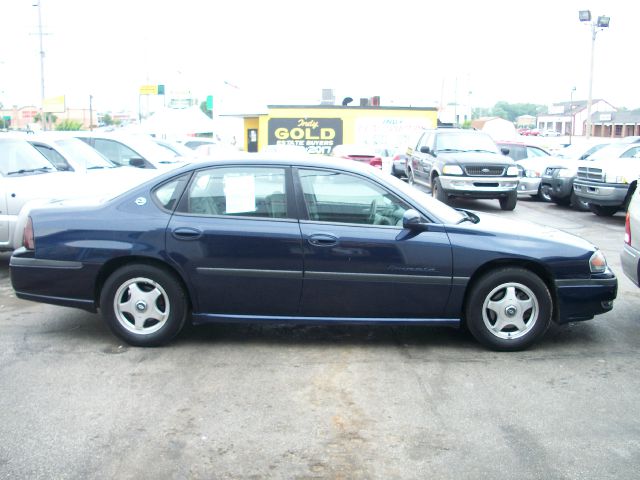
(54, 105)
(149, 90)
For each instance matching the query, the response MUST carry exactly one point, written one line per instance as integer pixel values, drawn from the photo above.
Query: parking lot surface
(254, 401)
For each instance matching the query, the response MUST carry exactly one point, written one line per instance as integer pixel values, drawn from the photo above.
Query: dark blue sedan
(315, 240)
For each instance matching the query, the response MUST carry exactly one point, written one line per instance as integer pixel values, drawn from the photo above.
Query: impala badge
(140, 201)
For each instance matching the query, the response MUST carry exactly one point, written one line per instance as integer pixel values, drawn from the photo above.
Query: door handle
(186, 233)
(323, 240)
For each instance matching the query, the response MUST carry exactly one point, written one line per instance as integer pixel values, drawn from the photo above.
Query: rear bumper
(65, 283)
(630, 259)
(583, 299)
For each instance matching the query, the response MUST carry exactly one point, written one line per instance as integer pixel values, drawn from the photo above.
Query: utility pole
(43, 117)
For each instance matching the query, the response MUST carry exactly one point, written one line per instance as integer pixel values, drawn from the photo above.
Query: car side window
(115, 151)
(338, 197)
(631, 153)
(238, 191)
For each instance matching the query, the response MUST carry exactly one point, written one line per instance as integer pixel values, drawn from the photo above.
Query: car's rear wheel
(509, 202)
(143, 305)
(508, 309)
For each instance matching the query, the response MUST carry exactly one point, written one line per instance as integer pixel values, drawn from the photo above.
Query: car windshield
(18, 157)
(465, 142)
(577, 150)
(81, 153)
(614, 150)
(150, 150)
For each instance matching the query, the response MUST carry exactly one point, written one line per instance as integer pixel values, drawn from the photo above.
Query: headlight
(597, 262)
(512, 171)
(567, 172)
(532, 174)
(615, 178)
(452, 170)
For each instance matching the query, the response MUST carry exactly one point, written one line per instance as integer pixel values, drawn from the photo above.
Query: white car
(28, 178)
(136, 150)
(630, 256)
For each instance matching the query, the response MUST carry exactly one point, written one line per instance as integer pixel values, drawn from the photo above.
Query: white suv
(630, 255)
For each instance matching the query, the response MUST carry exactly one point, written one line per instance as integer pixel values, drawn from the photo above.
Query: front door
(236, 238)
(359, 261)
(252, 140)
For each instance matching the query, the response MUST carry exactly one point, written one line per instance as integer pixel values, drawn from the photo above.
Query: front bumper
(598, 193)
(559, 187)
(582, 299)
(630, 259)
(478, 187)
(529, 185)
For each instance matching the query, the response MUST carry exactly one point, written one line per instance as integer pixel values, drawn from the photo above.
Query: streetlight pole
(43, 118)
(601, 23)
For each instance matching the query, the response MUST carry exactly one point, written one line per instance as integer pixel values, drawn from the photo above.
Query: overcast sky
(284, 52)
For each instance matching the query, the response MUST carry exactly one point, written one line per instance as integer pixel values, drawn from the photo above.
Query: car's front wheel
(143, 305)
(508, 309)
(509, 202)
(436, 190)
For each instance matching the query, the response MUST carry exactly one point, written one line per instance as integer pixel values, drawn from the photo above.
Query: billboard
(316, 135)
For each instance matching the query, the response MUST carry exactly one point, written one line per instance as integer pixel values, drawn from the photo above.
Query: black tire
(509, 202)
(543, 194)
(505, 295)
(577, 203)
(410, 178)
(436, 190)
(603, 210)
(563, 201)
(143, 305)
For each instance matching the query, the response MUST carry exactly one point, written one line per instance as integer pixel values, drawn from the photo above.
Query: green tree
(68, 124)
(107, 119)
(51, 118)
(511, 111)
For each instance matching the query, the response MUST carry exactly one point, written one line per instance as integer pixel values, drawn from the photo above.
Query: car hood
(481, 158)
(529, 236)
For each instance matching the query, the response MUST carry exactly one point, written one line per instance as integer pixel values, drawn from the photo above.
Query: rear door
(358, 260)
(236, 238)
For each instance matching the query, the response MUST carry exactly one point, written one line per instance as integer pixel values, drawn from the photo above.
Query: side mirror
(425, 149)
(505, 150)
(136, 162)
(412, 220)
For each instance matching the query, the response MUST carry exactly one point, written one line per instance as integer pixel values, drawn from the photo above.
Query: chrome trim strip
(591, 282)
(378, 278)
(43, 263)
(250, 272)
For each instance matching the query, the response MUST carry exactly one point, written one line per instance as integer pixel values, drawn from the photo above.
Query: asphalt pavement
(236, 401)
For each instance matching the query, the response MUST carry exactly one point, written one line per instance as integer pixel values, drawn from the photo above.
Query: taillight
(27, 235)
(397, 157)
(627, 230)
(376, 162)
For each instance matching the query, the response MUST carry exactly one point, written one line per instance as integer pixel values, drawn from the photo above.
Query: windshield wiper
(30, 170)
(450, 150)
(481, 150)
